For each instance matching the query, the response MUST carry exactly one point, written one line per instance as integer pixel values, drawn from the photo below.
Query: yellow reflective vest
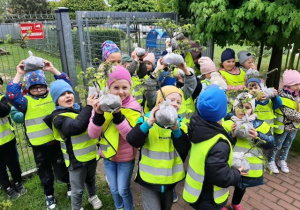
(189, 60)
(6, 134)
(265, 113)
(233, 79)
(159, 162)
(187, 108)
(84, 148)
(37, 130)
(196, 171)
(109, 142)
(255, 157)
(136, 90)
(279, 129)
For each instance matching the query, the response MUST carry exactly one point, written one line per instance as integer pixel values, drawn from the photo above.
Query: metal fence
(73, 45)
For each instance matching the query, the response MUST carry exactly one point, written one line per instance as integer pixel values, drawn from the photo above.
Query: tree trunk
(293, 55)
(275, 62)
(261, 51)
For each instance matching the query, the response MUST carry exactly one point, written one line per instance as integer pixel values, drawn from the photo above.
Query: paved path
(281, 191)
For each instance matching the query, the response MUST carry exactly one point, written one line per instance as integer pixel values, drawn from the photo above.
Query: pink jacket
(125, 151)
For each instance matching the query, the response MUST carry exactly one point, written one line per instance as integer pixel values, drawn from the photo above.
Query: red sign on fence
(32, 30)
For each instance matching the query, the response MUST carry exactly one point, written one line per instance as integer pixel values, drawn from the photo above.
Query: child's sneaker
(20, 188)
(50, 201)
(237, 207)
(175, 196)
(12, 193)
(224, 208)
(283, 166)
(69, 192)
(95, 201)
(273, 168)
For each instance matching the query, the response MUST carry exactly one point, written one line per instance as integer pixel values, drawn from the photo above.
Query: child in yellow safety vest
(8, 153)
(36, 105)
(255, 137)
(162, 153)
(209, 173)
(234, 76)
(264, 108)
(69, 123)
(287, 121)
(112, 128)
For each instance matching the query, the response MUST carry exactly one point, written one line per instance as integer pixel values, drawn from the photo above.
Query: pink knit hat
(151, 58)
(291, 77)
(119, 73)
(206, 65)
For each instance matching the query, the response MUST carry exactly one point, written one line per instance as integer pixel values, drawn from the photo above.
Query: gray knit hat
(243, 56)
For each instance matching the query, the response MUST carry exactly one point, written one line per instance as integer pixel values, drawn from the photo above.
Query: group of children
(68, 139)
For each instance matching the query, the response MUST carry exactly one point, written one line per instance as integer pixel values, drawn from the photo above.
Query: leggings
(238, 195)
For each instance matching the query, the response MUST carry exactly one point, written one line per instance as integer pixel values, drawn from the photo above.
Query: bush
(97, 37)
(9, 40)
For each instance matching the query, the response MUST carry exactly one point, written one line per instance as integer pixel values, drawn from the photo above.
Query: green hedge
(97, 37)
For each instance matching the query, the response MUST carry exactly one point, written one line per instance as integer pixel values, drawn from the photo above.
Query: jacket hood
(201, 130)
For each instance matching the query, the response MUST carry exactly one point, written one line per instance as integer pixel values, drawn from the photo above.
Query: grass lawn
(35, 199)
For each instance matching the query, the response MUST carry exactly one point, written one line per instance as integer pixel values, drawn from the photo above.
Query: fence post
(128, 34)
(64, 34)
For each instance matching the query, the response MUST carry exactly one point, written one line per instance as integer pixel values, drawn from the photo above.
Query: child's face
(248, 63)
(121, 88)
(295, 88)
(175, 100)
(253, 86)
(240, 113)
(207, 76)
(66, 100)
(229, 64)
(126, 64)
(149, 65)
(115, 57)
(38, 90)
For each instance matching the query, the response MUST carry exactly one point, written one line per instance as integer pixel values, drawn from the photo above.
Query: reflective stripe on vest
(84, 148)
(6, 134)
(196, 171)
(109, 141)
(160, 162)
(234, 79)
(37, 130)
(280, 116)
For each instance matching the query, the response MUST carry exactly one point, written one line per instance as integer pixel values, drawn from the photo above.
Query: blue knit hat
(35, 78)
(253, 80)
(168, 80)
(212, 103)
(57, 88)
(227, 55)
